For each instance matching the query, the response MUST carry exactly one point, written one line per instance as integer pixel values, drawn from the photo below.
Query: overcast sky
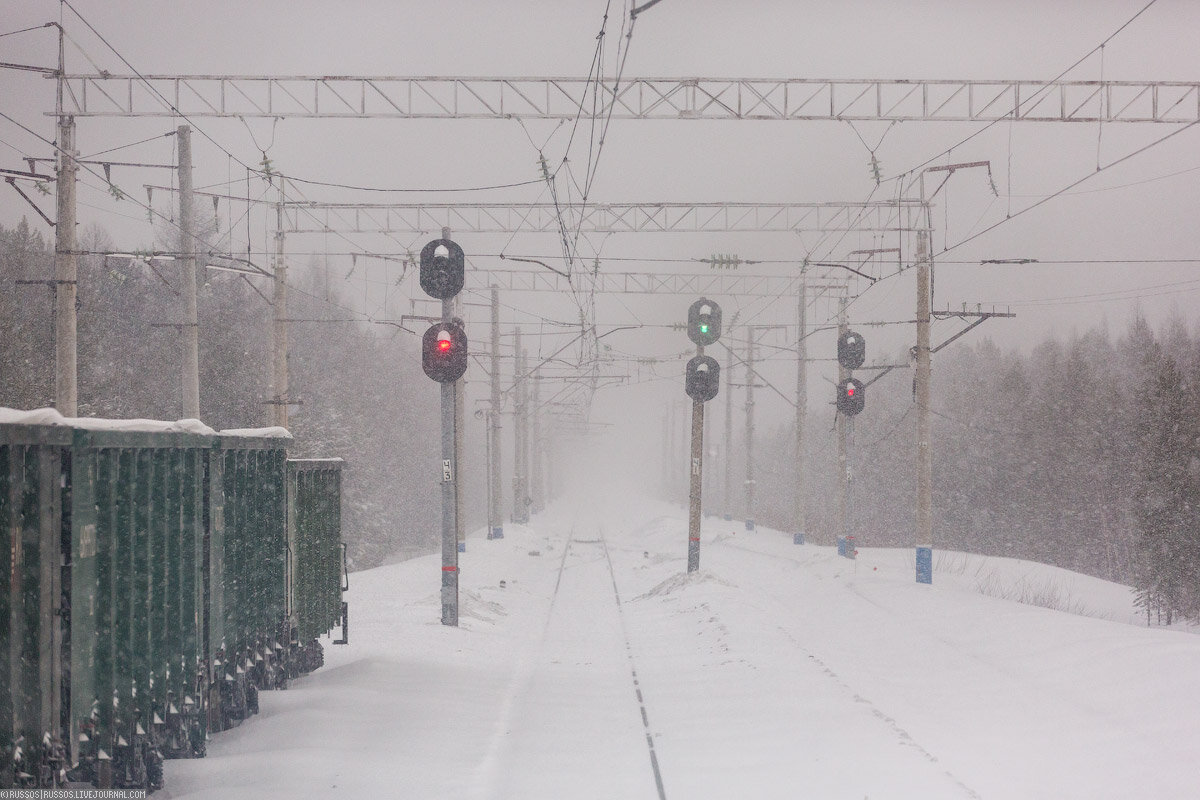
(1143, 209)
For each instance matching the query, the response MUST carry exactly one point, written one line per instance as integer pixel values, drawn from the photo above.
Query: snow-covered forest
(359, 401)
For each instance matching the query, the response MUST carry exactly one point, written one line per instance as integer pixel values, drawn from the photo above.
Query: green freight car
(158, 576)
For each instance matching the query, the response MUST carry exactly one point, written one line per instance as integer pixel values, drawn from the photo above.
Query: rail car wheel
(199, 745)
(231, 704)
(154, 768)
(54, 763)
(137, 770)
(278, 674)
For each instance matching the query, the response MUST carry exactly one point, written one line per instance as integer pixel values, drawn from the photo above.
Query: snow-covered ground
(588, 664)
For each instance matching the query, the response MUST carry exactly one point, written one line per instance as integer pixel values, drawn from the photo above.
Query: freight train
(154, 578)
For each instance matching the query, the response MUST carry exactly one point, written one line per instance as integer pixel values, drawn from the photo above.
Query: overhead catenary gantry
(905, 216)
(675, 283)
(870, 216)
(393, 97)
(828, 217)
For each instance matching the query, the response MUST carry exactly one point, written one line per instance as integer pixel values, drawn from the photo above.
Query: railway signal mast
(850, 400)
(702, 380)
(444, 358)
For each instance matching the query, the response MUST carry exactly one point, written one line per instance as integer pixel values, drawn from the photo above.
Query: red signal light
(851, 395)
(444, 351)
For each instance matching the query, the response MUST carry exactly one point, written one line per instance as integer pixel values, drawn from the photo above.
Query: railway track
(575, 711)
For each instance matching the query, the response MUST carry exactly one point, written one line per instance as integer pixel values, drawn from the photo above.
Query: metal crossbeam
(979, 316)
(904, 215)
(699, 284)
(633, 98)
(321, 217)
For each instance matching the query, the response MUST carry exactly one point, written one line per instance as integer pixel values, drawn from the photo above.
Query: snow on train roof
(274, 432)
(50, 416)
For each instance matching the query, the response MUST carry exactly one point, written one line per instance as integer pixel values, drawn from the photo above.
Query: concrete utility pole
(66, 265)
(449, 515)
(671, 450)
(924, 521)
(549, 485)
(728, 494)
(521, 437)
(459, 465)
(537, 488)
(801, 408)
(460, 425)
(749, 428)
(683, 434)
(495, 503)
(666, 457)
(187, 247)
(711, 452)
(666, 452)
(842, 423)
(695, 484)
(279, 329)
(695, 480)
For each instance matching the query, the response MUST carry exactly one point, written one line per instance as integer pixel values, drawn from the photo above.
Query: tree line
(1083, 453)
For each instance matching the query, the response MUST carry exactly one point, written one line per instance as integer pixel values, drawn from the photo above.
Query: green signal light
(703, 327)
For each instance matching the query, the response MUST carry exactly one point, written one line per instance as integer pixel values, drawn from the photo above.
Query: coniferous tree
(1057, 456)
(26, 319)
(1168, 500)
(128, 358)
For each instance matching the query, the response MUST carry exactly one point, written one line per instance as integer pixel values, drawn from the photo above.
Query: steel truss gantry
(631, 98)
(886, 216)
(892, 216)
(685, 284)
